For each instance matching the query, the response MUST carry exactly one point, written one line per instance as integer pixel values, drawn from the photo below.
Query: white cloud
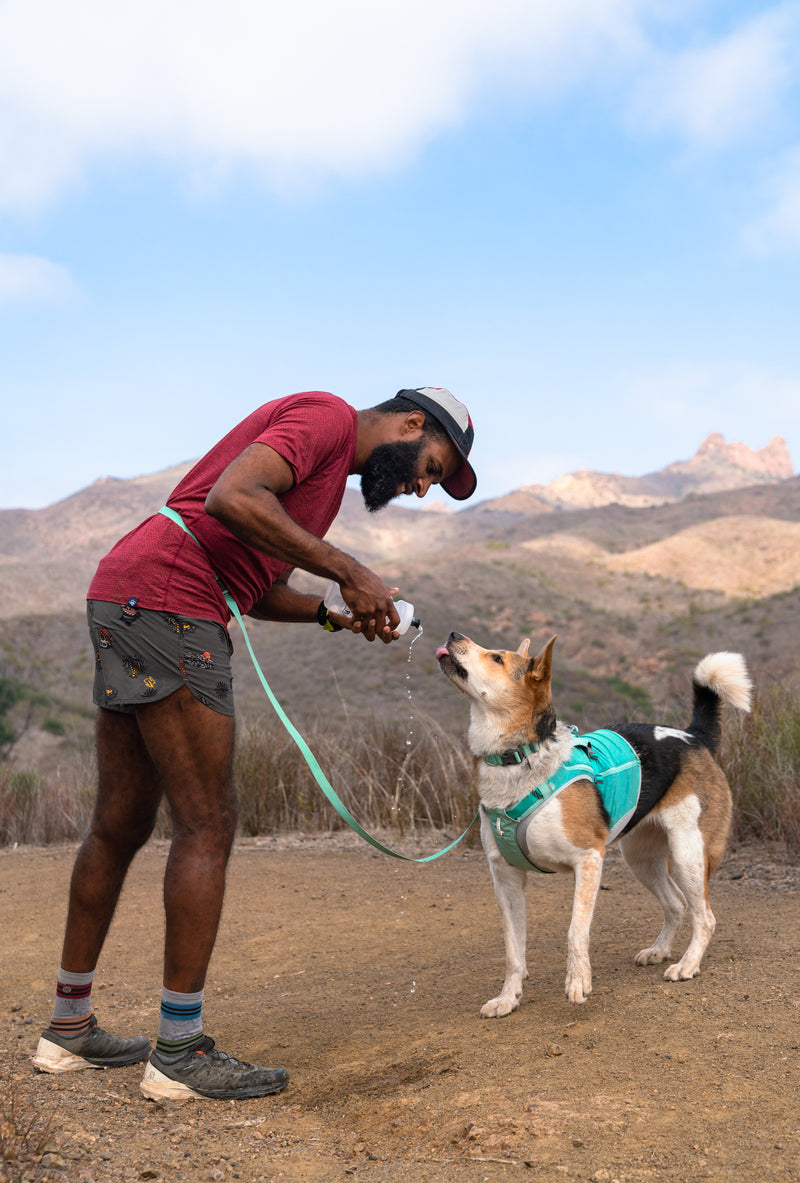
(299, 91)
(29, 279)
(716, 94)
(293, 88)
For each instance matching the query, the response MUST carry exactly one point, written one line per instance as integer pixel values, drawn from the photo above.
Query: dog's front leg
(587, 884)
(509, 890)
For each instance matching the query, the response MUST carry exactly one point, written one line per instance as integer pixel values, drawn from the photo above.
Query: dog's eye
(496, 657)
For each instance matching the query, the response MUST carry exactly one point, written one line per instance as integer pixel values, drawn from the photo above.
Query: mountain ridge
(715, 467)
(88, 522)
(637, 594)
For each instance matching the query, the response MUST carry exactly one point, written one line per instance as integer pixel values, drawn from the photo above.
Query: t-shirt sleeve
(310, 434)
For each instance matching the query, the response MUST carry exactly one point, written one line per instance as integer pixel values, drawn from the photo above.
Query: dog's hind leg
(588, 871)
(509, 890)
(690, 867)
(646, 853)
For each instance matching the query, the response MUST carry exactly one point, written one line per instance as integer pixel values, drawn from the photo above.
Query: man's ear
(413, 424)
(541, 665)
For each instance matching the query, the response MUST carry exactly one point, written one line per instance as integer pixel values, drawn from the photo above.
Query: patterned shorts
(142, 655)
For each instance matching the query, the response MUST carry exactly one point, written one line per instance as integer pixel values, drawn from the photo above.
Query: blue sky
(583, 218)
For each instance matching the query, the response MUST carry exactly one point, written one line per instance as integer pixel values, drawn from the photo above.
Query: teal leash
(308, 755)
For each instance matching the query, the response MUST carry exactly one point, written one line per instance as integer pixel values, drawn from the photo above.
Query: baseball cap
(454, 418)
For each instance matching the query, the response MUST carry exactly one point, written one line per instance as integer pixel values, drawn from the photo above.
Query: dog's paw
(680, 972)
(497, 1008)
(578, 989)
(652, 956)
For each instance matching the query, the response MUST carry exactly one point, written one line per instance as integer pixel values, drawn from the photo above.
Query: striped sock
(180, 1027)
(73, 1005)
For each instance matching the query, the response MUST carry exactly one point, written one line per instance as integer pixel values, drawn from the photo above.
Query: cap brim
(461, 484)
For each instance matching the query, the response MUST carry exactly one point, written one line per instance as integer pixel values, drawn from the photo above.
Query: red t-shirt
(165, 569)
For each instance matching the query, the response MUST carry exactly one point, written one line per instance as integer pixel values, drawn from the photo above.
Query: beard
(389, 466)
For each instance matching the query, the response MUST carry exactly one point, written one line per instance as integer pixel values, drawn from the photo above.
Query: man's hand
(374, 612)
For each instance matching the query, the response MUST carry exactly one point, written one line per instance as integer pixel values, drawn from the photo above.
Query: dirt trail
(364, 977)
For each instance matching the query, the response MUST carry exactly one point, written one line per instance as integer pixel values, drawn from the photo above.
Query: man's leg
(128, 794)
(192, 747)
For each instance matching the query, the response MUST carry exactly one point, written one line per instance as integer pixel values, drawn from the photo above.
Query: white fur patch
(726, 674)
(671, 733)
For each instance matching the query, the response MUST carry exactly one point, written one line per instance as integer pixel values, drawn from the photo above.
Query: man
(257, 505)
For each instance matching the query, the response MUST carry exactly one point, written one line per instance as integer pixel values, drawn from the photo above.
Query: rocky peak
(772, 461)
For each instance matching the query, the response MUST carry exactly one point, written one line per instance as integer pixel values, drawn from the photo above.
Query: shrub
(38, 811)
(53, 726)
(761, 757)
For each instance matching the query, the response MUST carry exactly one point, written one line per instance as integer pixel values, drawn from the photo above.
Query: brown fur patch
(702, 777)
(582, 816)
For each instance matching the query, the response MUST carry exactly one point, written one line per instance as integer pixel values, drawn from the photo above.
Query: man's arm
(245, 500)
(282, 602)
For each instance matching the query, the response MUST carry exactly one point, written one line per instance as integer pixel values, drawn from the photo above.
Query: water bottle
(334, 602)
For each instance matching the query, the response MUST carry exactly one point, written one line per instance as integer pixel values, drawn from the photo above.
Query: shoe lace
(215, 1053)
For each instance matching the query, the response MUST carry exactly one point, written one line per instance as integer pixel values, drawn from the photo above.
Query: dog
(672, 835)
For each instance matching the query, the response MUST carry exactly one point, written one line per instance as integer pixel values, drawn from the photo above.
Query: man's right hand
(370, 600)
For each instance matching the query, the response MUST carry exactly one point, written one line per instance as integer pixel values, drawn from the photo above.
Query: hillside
(635, 594)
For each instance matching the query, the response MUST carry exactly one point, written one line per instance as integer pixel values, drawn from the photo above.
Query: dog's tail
(718, 678)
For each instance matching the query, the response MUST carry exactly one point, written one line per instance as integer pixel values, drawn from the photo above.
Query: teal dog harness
(604, 758)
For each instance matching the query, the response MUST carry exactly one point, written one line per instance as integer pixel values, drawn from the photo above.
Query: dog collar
(514, 755)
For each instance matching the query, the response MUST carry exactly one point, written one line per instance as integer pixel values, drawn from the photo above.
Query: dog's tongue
(441, 652)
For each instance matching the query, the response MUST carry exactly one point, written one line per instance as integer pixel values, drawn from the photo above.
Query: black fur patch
(546, 723)
(706, 723)
(661, 759)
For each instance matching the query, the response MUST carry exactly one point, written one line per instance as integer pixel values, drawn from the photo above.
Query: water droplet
(409, 696)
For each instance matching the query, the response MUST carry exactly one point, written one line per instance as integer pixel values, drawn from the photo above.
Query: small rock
(53, 1162)
(553, 1049)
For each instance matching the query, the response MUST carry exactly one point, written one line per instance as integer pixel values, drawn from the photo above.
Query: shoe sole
(50, 1057)
(158, 1087)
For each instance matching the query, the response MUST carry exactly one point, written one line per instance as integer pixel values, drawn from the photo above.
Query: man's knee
(125, 835)
(213, 824)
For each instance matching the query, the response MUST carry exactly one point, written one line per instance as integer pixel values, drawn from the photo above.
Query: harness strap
(308, 755)
(578, 770)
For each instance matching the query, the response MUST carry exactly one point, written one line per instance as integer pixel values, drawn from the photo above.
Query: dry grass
(39, 811)
(389, 778)
(26, 1149)
(384, 775)
(761, 757)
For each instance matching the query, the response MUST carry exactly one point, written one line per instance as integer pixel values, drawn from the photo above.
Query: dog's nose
(455, 637)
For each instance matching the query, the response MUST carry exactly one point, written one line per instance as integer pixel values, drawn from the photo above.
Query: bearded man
(257, 505)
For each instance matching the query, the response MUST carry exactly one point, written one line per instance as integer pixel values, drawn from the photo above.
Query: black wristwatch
(324, 619)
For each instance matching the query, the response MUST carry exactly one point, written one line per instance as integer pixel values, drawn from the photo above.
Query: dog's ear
(524, 646)
(540, 665)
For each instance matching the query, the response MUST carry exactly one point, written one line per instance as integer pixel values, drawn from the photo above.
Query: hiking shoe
(95, 1048)
(205, 1071)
